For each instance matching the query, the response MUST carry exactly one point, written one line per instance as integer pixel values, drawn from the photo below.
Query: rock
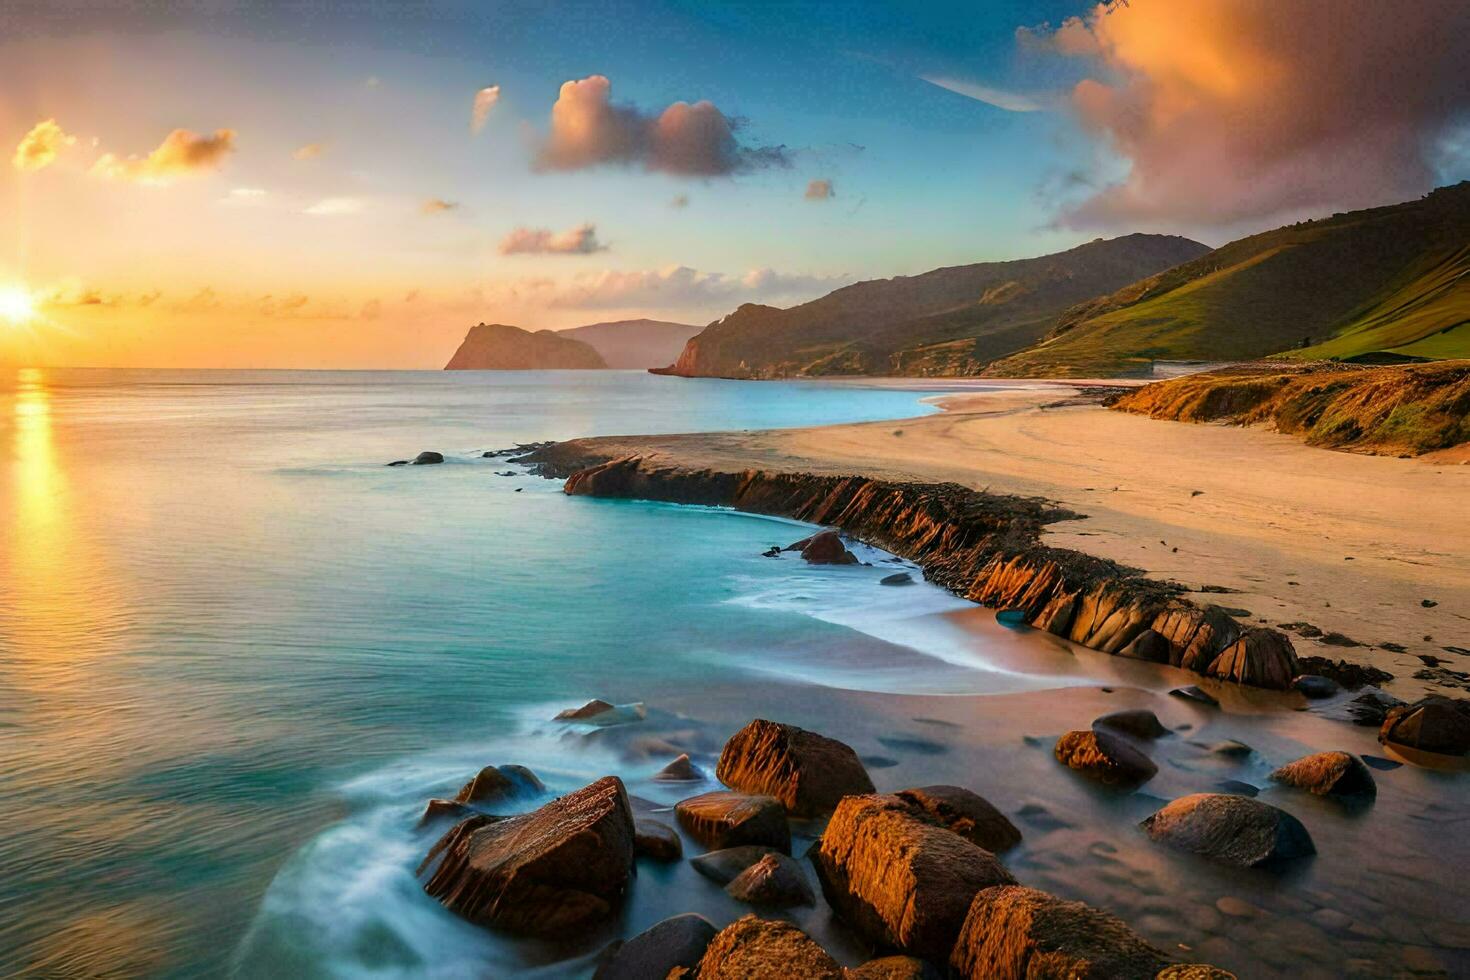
(1104, 756)
(657, 840)
(1011, 617)
(1192, 693)
(1015, 933)
(428, 456)
(678, 771)
(591, 709)
(1369, 709)
(775, 880)
(1261, 657)
(824, 548)
(724, 866)
(1315, 686)
(1194, 971)
(445, 808)
(966, 813)
(750, 948)
(545, 873)
(895, 968)
(1229, 747)
(676, 942)
(1346, 674)
(398, 462)
(901, 882)
(1230, 829)
(1433, 724)
(1138, 722)
(1380, 763)
(1150, 645)
(720, 819)
(599, 712)
(807, 772)
(1328, 774)
(772, 552)
(897, 578)
(499, 782)
(1338, 640)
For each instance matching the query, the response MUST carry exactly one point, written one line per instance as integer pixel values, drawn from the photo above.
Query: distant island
(621, 344)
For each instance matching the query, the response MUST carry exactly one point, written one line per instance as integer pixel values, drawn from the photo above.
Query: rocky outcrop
(823, 548)
(807, 772)
(544, 873)
(965, 813)
(1230, 829)
(599, 712)
(501, 347)
(498, 783)
(1328, 774)
(668, 945)
(720, 820)
(982, 546)
(900, 881)
(1105, 756)
(776, 881)
(428, 457)
(1435, 724)
(750, 947)
(1014, 933)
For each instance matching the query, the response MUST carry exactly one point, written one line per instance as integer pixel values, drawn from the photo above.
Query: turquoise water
(231, 640)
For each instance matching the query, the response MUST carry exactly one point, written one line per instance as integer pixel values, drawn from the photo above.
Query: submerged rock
(1315, 686)
(775, 880)
(1015, 933)
(750, 947)
(438, 809)
(1192, 693)
(807, 772)
(656, 840)
(824, 548)
(1106, 756)
(900, 881)
(398, 462)
(499, 782)
(1434, 724)
(676, 942)
(897, 578)
(600, 712)
(679, 771)
(1230, 829)
(1328, 774)
(427, 457)
(545, 873)
(721, 819)
(724, 866)
(967, 814)
(1138, 722)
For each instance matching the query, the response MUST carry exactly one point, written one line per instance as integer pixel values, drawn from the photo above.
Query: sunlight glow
(17, 305)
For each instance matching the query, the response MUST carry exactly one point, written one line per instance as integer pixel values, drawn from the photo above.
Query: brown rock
(895, 968)
(438, 809)
(1196, 635)
(1150, 645)
(1231, 829)
(824, 548)
(544, 873)
(499, 782)
(775, 880)
(751, 948)
(1014, 933)
(1261, 657)
(1138, 722)
(1105, 756)
(676, 942)
(656, 840)
(901, 882)
(1194, 971)
(1328, 774)
(966, 813)
(591, 709)
(807, 772)
(680, 770)
(725, 866)
(721, 819)
(1434, 724)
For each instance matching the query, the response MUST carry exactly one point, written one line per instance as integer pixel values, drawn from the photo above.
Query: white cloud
(1001, 99)
(485, 100)
(335, 207)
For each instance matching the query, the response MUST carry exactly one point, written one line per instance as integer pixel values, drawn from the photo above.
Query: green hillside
(1389, 280)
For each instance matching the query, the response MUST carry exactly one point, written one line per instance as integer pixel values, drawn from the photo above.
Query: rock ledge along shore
(982, 546)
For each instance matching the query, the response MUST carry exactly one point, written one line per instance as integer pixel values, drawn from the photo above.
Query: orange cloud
(40, 146)
(485, 100)
(309, 152)
(581, 240)
(437, 205)
(819, 190)
(1245, 109)
(588, 130)
(181, 154)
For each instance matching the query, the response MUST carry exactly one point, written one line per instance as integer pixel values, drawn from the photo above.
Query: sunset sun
(17, 305)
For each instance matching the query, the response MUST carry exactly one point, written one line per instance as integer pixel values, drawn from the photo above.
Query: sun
(17, 305)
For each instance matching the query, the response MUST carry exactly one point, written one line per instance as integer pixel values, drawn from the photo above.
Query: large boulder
(824, 548)
(1434, 724)
(676, 942)
(1015, 933)
(895, 968)
(967, 814)
(1230, 829)
(775, 880)
(427, 457)
(545, 873)
(750, 948)
(807, 772)
(1106, 756)
(900, 881)
(498, 783)
(1138, 722)
(722, 819)
(1261, 658)
(656, 839)
(1328, 774)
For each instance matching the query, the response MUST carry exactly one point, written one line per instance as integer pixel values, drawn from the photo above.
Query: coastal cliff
(982, 546)
(499, 347)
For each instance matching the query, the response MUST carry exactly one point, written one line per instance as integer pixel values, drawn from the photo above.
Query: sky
(354, 184)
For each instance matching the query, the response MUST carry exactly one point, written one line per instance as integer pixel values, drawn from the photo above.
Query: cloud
(1009, 101)
(181, 154)
(40, 146)
(309, 152)
(679, 202)
(485, 100)
(698, 140)
(581, 240)
(819, 190)
(437, 205)
(245, 197)
(680, 286)
(1243, 110)
(331, 207)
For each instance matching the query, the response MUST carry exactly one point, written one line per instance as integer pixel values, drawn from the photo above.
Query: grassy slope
(1384, 279)
(1398, 410)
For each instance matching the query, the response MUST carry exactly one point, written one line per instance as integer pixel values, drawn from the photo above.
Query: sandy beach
(1372, 549)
